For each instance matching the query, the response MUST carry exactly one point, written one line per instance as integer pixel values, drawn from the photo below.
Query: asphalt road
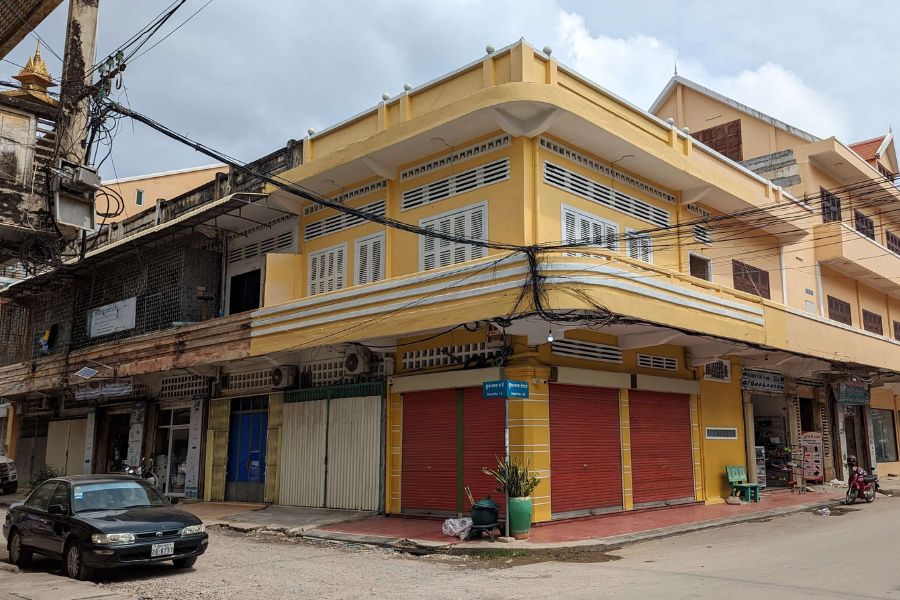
(848, 554)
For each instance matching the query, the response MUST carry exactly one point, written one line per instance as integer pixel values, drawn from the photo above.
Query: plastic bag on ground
(457, 527)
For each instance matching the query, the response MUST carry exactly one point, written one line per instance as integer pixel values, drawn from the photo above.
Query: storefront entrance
(856, 434)
(770, 422)
(246, 475)
(112, 441)
(173, 431)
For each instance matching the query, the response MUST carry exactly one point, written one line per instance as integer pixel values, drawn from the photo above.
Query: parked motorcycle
(144, 470)
(860, 484)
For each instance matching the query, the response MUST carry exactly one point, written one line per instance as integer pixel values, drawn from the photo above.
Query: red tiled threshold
(592, 527)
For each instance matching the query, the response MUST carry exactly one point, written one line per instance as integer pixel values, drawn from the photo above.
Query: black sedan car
(100, 521)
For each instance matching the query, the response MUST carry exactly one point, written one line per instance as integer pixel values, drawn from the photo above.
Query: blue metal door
(246, 474)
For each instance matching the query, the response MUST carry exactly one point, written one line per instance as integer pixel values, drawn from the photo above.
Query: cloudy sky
(244, 77)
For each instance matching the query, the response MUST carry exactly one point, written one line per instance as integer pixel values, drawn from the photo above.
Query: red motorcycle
(861, 485)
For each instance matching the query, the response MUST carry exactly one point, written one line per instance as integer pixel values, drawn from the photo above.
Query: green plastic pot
(519, 517)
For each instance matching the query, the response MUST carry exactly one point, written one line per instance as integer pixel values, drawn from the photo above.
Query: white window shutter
(477, 218)
(640, 246)
(469, 222)
(326, 271)
(369, 260)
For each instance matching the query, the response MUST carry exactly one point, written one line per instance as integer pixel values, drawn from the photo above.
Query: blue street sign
(504, 388)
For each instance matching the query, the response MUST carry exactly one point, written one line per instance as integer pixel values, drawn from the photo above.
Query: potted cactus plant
(517, 483)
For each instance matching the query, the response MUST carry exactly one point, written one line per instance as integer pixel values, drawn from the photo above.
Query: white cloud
(638, 67)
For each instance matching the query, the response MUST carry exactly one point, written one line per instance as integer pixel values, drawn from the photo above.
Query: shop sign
(104, 389)
(853, 393)
(504, 388)
(765, 381)
(118, 316)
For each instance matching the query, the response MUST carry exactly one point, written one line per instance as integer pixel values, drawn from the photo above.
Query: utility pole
(81, 37)
(73, 184)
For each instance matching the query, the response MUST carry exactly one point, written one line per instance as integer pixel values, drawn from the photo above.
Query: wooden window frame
(864, 224)
(721, 138)
(758, 282)
(831, 206)
(873, 322)
(708, 262)
(835, 315)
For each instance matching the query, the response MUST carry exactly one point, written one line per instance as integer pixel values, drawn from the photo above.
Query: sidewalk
(44, 586)
(596, 533)
(248, 517)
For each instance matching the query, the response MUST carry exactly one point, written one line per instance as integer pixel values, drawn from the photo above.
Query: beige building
(142, 191)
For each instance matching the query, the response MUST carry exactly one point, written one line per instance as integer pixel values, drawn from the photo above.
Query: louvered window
(588, 230)
(326, 270)
(751, 279)
(864, 224)
(893, 242)
(604, 195)
(897, 330)
(640, 246)
(369, 259)
(839, 311)
(469, 222)
(703, 234)
(724, 139)
(466, 181)
(831, 206)
(279, 241)
(872, 322)
(701, 267)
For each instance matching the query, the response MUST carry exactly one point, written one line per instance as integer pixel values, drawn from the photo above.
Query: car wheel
(18, 555)
(184, 563)
(74, 563)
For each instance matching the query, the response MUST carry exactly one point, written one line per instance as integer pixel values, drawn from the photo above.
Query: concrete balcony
(847, 251)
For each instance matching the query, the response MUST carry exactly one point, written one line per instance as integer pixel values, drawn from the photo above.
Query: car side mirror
(173, 500)
(56, 509)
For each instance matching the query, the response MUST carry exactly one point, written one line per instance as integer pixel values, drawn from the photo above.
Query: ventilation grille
(651, 361)
(341, 221)
(261, 227)
(248, 380)
(443, 356)
(597, 192)
(587, 350)
(826, 432)
(331, 371)
(717, 371)
(350, 195)
(279, 241)
(466, 181)
(721, 433)
(182, 386)
(699, 211)
(472, 151)
(606, 170)
(702, 234)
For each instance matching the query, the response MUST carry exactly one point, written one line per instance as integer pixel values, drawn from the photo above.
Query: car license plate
(162, 549)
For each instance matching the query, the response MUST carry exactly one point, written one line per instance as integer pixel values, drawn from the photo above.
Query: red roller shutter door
(585, 449)
(662, 464)
(429, 475)
(482, 443)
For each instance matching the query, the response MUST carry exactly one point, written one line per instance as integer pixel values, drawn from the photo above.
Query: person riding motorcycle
(854, 468)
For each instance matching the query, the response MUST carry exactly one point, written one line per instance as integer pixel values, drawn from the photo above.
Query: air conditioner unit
(284, 378)
(357, 361)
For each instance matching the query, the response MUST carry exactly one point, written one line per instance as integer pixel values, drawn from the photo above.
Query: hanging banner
(118, 316)
(854, 393)
(765, 381)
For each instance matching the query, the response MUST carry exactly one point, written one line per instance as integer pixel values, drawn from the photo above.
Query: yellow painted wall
(884, 398)
(158, 186)
(721, 406)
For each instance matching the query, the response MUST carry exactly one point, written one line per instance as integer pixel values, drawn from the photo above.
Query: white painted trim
(819, 289)
(163, 174)
(784, 294)
(443, 380)
(652, 283)
(884, 144)
(588, 377)
(654, 383)
(386, 285)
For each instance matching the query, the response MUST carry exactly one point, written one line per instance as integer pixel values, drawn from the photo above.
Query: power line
(32, 31)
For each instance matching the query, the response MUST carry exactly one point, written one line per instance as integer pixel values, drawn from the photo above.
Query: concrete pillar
(393, 452)
(625, 440)
(273, 448)
(749, 437)
(529, 432)
(13, 423)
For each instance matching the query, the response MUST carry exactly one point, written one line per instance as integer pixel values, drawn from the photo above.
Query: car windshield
(115, 495)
